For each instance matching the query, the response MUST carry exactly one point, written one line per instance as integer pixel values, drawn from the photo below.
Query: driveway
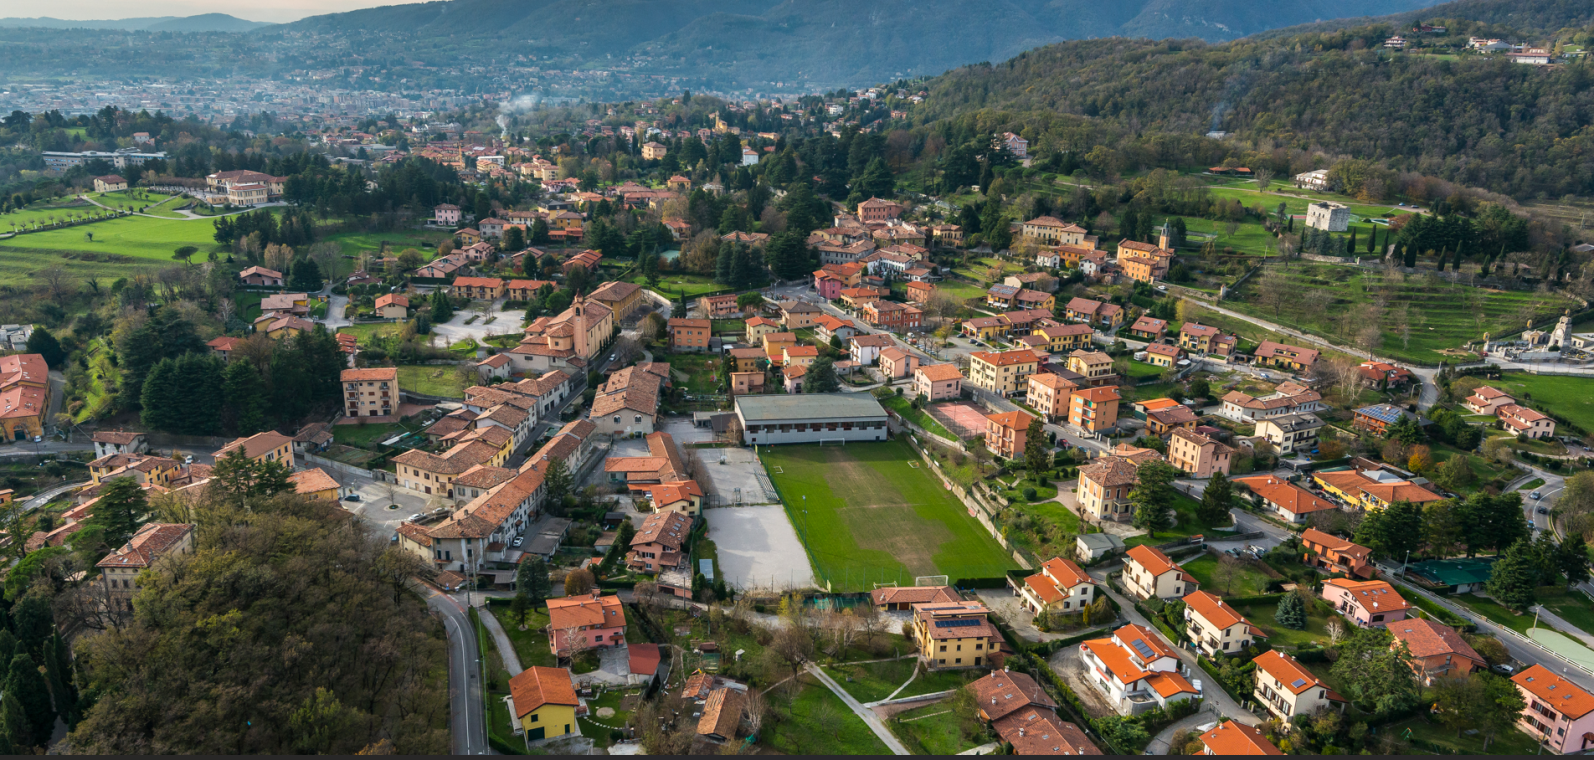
(1022, 621)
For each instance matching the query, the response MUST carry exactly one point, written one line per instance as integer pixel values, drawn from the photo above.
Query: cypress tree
(724, 266)
(244, 391)
(58, 676)
(162, 398)
(14, 725)
(1351, 246)
(1372, 240)
(1408, 257)
(26, 683)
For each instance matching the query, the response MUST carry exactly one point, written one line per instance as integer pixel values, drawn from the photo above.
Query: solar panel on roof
(964, 623)
(1299, 682)
(1142, 648)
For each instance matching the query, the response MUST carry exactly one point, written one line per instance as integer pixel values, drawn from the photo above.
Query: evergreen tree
(199, 376)
(557, 481)
(304, 275)
(1408, 257)
(514, 239)
(14, 725)
(1291, 612)
(442, 307)
(725, 265)
(1036, 457)
(1129, 222)
(821, 377)
(58, 676)
(162, 398)
(120, 510)
(1511, 579)
(26, 683)
(539, 232)
(34, 622)
(1217, 500)
(245, 395)
(748, 269)
(1572, 559)
(1153, 497)
(1352, 244)
(42, 342)
(238, 480)
(531, 581)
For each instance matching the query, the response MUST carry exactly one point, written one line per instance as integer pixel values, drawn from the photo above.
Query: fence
(977, 508)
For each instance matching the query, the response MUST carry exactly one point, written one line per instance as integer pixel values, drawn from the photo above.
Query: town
(776, 425)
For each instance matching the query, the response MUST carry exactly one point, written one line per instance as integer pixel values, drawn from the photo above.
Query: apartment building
(938, 382)
(1559, 714)
(372, 392)
(1006, 433)
(1215, 627)
(689, 335)
(1050, 394)
(954, 635)
(1002, 373)
(1197, 454)
(1094, 409)
(1286, 688)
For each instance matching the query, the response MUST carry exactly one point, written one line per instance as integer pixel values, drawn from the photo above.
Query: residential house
(1149, 328)
(1164, 421)
(1287, 398)
(829, 284)
(1522, 421)
(585, 621)
(1135, 670)
(896, 363)
(109, 183)
(725, 707)
(393, 306)
(1377, 418)
(1025, 717)
(986, 328)
(1286, 688)
(108, 442)
(1060, 585)
(1215, 627)
(689, 334)
(855, 298)
(719, 307)
(892, 316)
(1485, 400)
(1383, 376)
(1236, 738)
(878, 210)
(1197, 454)
(1287, 501)
(1051, 231)
(1557, 714)
(628, 403)
(1142, 267)
(1163, 355)
(1103, 315)
(799, 356)
(795, 315)
(1005, 433)
(748, 359)
(622, 298)
(1094, 409)
(758, 327)
(1061, 338)
(1372, 489)
(1291, 433)
(842, 329)
(223, 346)
(544, 702)
(316, 484)
(1002, 373)
(119, 570)
(954, 635)
(1049, 394)
(1150, 573)
(776, 343)
(747, 382)
(269, 446)
(1285, 356)
(937, 382)
(1104, 486)
(1436, 650)
(677, 497)
(480, 288)
(1094, 366)
(372, 392)
(261, 277)
(1369, 604)
(919, 292)
(659, 544)
(902, 598)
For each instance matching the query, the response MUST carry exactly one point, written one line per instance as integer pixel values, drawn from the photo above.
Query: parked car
(352, 497)
(1536, 495)
(1504, 669)
(518, 541)
(417, 517)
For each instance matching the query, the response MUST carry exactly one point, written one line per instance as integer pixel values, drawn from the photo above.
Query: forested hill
(1531, 17)
(820, 42)
(1477, 120)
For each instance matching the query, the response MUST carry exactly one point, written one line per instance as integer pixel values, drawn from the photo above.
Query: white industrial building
(1329, 216)
(811, 418)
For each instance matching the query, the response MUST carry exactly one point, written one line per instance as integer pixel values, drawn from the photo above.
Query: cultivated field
(868, 516)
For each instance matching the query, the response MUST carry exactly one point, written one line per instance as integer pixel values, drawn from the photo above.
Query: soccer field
(868, 516)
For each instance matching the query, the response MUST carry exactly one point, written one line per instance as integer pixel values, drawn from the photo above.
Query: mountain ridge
(204, 22)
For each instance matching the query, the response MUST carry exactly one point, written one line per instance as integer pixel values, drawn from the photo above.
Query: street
(468, 720)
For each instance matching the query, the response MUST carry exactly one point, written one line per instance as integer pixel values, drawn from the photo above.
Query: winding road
(468, 716)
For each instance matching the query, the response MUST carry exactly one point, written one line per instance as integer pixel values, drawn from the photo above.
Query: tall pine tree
(245, 393)
(26, 683)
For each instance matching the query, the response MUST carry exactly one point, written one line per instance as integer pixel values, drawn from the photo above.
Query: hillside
(206, 22)
(821, 42)
(1472, 119)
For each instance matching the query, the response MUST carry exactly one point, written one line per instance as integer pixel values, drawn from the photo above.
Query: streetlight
(1404, 563)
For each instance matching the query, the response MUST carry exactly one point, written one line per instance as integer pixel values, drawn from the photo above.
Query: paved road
(506, 648)
(44, 497)
(858, 709)
(468, 718)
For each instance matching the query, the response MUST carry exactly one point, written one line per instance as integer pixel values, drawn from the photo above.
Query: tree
(1481, 701)
(245, 398)
(58, 674)
(1454, 473)
(1572, 559)
(238, 479)
(821, 377)
(557, 480)
(1217, 500)
(1376, 677)
(1392, 531)
(514, 238)
(1227, 570)
(531, 581)
(305, 275)
(579, 581)
(1291, 612)
(1153, 496)
(26, 683)
(119, 512)
(1511, 580)
(1036, 458)
(14, 725)
(42, 342)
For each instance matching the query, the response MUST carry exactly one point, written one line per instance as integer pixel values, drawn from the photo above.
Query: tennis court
(962, 420)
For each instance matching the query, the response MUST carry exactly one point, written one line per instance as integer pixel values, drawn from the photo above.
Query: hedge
(999, 581)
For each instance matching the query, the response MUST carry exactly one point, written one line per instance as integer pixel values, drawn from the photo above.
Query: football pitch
(871, 513)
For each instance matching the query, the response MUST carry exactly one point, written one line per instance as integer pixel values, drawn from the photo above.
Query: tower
(1162, 237)
(578, 320)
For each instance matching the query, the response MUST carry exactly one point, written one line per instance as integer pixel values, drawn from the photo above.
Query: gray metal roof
(808, 406)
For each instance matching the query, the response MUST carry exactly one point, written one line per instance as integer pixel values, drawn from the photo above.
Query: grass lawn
(929, 730)
(103, 373)
(1494, 611)
(1532, 484)
(1571, 606)
(531, 645)
(1509, 742)
(365, 436)
(1248, 579)
(815, 721)
(248, 302)
(872, 681)
(353, 243)
(598, 729)
(673, 285)
(1433, 610)
(1142, 371)
(1065, 522)
(432, 380)
(846, 498)
(1441, 315)
(1570, 397)
(46, 212)
(721, 326)
(1186, 525)
(1315, 632)
(702, 372)
(902, 406)
(364, 333)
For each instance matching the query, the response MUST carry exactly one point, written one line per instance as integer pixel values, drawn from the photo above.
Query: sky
(254, 10)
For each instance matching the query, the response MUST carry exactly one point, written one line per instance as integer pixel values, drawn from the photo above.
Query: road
(468, 718)
(188, 216)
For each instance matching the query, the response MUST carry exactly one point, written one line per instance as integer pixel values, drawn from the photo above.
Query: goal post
(832, 442)
(931, 580)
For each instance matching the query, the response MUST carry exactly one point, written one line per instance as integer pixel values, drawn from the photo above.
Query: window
(943, 648)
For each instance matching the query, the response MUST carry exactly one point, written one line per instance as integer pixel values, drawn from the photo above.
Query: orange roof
(1157, 403)
(1014, 420)
(1212, 609)
(1153, 560)
(1425, 638)
(1067, 573)
(312, 481)
(1371, 595)
(373, 373)
(1340, 545)
(1004, 358)
(1132, 633)
(1098, 394)
(590, 611)
(936, 373)
(1234, 738)
(1288, 496)
(537, 686)
(1044, 588)
(1291, 674)
(1562, 695)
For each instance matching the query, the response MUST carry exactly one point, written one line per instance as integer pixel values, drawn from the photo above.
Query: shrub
(1029, 494)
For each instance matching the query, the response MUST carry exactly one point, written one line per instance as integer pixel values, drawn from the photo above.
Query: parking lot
(375, 496)
(735, 476)
(758, 548)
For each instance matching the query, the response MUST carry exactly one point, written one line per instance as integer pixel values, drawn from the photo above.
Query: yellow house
(544, 701)
(758, 327)
(314, 483)
(267, 446)
(622, 298)
(1004, 372)
(775, 343)
(987, 328)
(1070, 337)
(468, 236)
(951, 635)
(1094, 365)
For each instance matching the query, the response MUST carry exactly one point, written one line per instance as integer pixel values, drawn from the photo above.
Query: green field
(353, 243)
(930, 730)
(1509, 742)
(1419, 317)
(672, 285)
(432, 380)
(815, 721)
(119, 248)
(1248, 580)
(845, 498)
(1570, 397)
(45, 212)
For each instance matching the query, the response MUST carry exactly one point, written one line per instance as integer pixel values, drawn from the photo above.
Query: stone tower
(578, 311)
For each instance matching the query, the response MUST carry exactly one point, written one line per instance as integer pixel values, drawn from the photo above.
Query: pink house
(446, 214)
(1558, 713)
(1369, 604)
(895, 363)
(828, 284)
(938, 382)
